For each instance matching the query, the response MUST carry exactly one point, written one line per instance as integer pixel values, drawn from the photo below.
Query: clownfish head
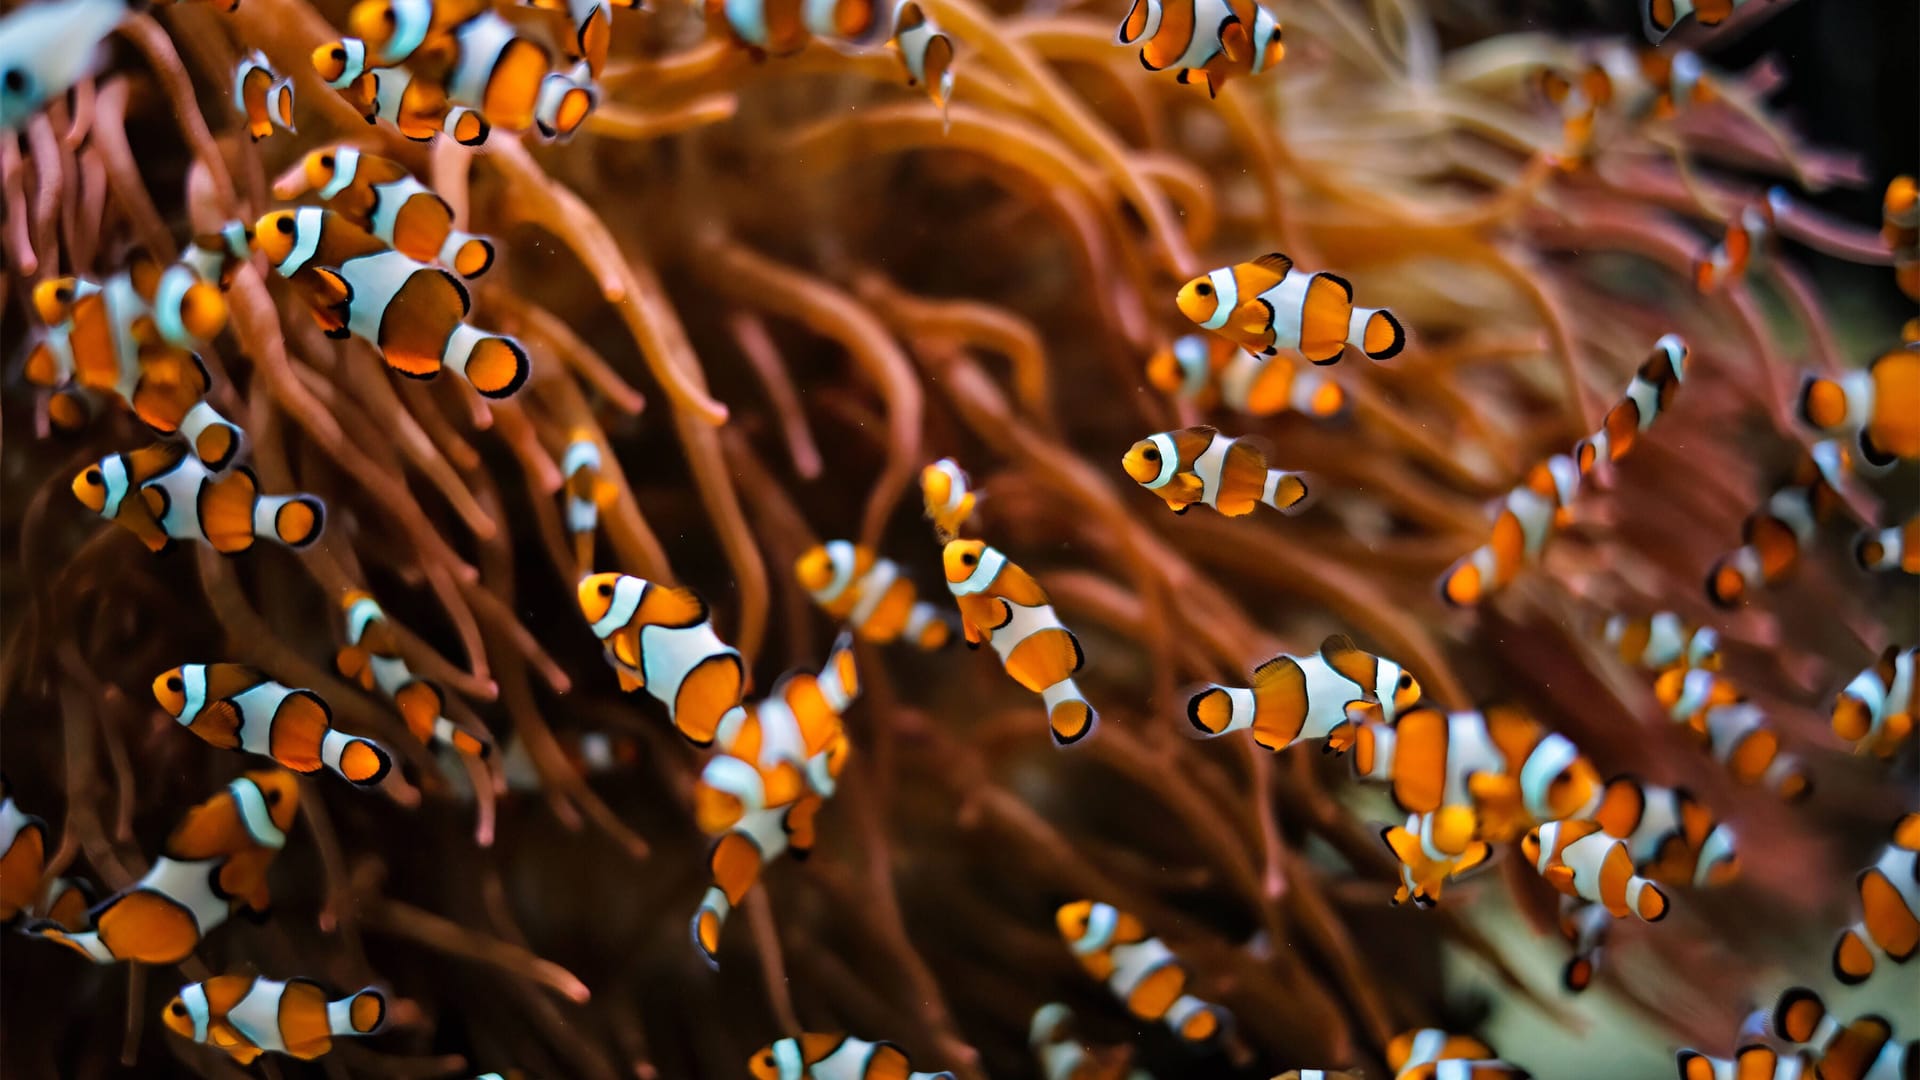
(823, 564)
(320, 167)
(275, 235)
(1530, 847)
(1572, 790)
(282, 791)
(374, 22)
(90, 487)
(1199, 300)
(1823, 403)
(1165, 372)
(765, 1065)
(53, 299)
(170, 690)
(1406, 689)
(177, 1018)
(1073, 918)
(595, 594)
(960, 558)
(340, 62)
(1144, 461)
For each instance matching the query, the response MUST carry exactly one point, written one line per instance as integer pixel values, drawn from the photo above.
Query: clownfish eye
(1203, 289)
(273, 797)
(285, 225)
(326, 161)
(177, 1009)
(174, 684)
(339, 54)
(968, 559)
(1406, 681)
(93, 477)
(15, 80)
(605, 590)
(63, 294)
(1565, 777)
(386, 17)
(1150, 454)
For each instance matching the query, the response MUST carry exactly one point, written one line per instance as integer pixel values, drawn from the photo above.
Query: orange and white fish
(587, 493)
(1734, 730)
(235, 707)
(1201, 465)
(262, 96)
(1745, 247)
(782, 27)
(1268, 305)
(1753, 1061)
(379, 195)
(1864, 1049)
(1774, 535)
(1650, 393)
(1663, 640)
(46, 48)
(23, 856)
(1879, 405)
(1213, 40)
(1876, 711)
(949, 497)
(162, 494)
(777, 750)
(1297, 698)
(372, 659)
(661, 639)
(1526, 519)
(1581, 859)
(1433, 1054)
(1424, 869)
(1896, 547)
(1139, 970)
(1900, 226)
(413, 313)
(1659, 17)
(925, 51)
(1679, 80)
(395, 31)
(247, 1015)
(870, 594)
(1580, 97)
(1889, 924)
(1061, 1056)
(589, 753)
(1585, 927)
(736, 859)
(418, 108)
(1003, 606)
(834, 1057)
(1209, 370)
(1670, 836)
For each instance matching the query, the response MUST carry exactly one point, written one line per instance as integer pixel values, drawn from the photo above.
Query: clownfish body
(234, 707)
(1581, 859)
(1209, 370)
(1889, 924)
(1880, 406)
(587, 493)
(396, 31)
(1659, 17)
(1297, 698)
(418, 108)
(23, 857)
(1526, 518)
(1734, 730)
(247, 1015)
(1774, 535)
(778, 749)
(1139, 970)
(372, 659)
(1663, 640)
(265, 99)
(925, 51)
(1425, 869)
(834, 1057)
(737, 857)
(1754, 1061)
(1679, 81)
(46, 48)
(1213, 39)
(1745, 247)
(1201, 465)
(1876, 711)
(379, 195)
(1463, 1069)
(1650, 393)
(1063, 1057)
(1670, 836)
(1580, 98)
(512, 80)
(948, 494)
(870, 594)
(1894, 548)
(162, 494)
(662, 640)
(1433, 1054)
(1900, 227)
(1864, 1049)
(65, 903)
(1003, 606)
(1268, 305)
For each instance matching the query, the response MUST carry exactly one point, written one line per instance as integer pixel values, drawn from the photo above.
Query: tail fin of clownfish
(293, 520)
(496, 366)
(1853, 956)
(1069, 715)
(470, 256)
(1287, 492)
(361, 761)
(363, 1013)
(1375, 332)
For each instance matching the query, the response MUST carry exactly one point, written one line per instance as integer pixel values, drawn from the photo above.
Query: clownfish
(736, 858)
(413, 313)
(214, 863)
(395, 31)
(379, 195)
(1063, 1057)
(834, 1057)
(1423, 868)
(1268, 304)
(870, 594)
(588, 753)
(1774, 535)
(1318, 1074)
(162, 494)
(234, 707)
(1896, 547)
(1200, 465)
(1744, 248)
(418, 108)
(587, 493)
(1581, 859)
(1433, 1054)
(509, 79)
(1900, 226)
(47, 47)
(661, 639)
(592, 23)
(779, 749)
(1139, 970)
(925, 51)
(372, 659)
(1659, 17)
(1650, 393)
(949, 497)
(1585, 927)
(1663, 640)
(1734, 730)
(1209, 370)
(1464, 1069)
(1526, 518)
(1215, 39)
(1864, 1049)
(1679, 80)
(1002, 605)
(1880, 406)
(265, 99)
(1754, 1061)
(214, 256)
(247, 1015)
(783, 27)
(1670, 836)
(1580, 98)
(23, 856)
(1889, 922)
(1296, 698)
(1876, 710)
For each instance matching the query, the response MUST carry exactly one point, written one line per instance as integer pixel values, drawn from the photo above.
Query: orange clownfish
(1003, 606)
(1900, 226)
(782, 27)
(949, 497)
(1734, 730)
(1268, 304)
(736, 858)
(418, 108)
(512, 80)
(587, 493)
(870, 594)
(1215, 39)
(777, 750)
(1425, 869)
(1670, 836)
(1650, 393)
(1580, 99)
(661, 639)
(1296, 698)
(1774, 535)
(162, 494)
(834, 1057)
(1526, 519)
(1865, 1049)
(395, 31)
(1744, 248)
(1889, 923)
(1663, 640)
(1433, 1054)
(1877, 709)
(1880, 406)
(1200, 465)
(379, 195)
(1139, 970)
(1061, 1056)
(1679, 80)
(1753, 1061)
(65, 903)
(23, 856)
(372, 659)
(592, 23)
(1585, 927)
(1659, 17)
(1580, 859)
(262, 97)
(925, 50)
(247, 1015)
(413, 313)
(235, 707)
(1896, 547)
(1209, 370)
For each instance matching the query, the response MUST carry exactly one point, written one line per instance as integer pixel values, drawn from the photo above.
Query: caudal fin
(468, 255)
(496, 366)
(1069, 716)
(1376, 332)
(1287, 492)
(361, 761)
(361, 1014)
(216, 440)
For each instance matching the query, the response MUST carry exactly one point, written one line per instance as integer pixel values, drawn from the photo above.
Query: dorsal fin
(1275, 262)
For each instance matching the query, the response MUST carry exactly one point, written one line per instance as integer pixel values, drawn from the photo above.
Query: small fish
(949, 497)
(870, 594)
(1268, 305)
(1213, 40)
(1462, 1069)
(1894, 548)
(1663, 640)
(213, 257)
(46, 48)
(1671, 837)
(1734, 730)
(1527, 517)
(1297, 698)
(419, 109)
(737, 857)
(1423, 868)
(1585, 927)
(23, 856)
(247, 1015)
(234, 707)
(396, 31)
(1580, 859)
(592, 23)
(1889, 924)
(379, 195)
(1754, 1061)
(162, 494)
(1063, 1057)
(265, 99)
(783, 27)
(1880, 406)
(925, 51)
(1877, 709)
(372, 659)
(1580, 97)
(1200, 465)
(589, 753)
(1900, 226)
(661, 639)
(1650, 393)
(1003, 606)
(1659, 17)
(1679, 80)
(779, 749)
(1433, 1054)
(834, 1057)
(1746, 246)
(1140, 971)
(1774, 535)
(1864, 1049)
(564, 101)
(587, 493)
(1209, 370)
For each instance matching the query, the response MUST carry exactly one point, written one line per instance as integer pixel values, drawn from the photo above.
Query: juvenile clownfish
(265, 99)
(925, 51)
(418, 108)
(46, 48)
(661, 639)
(781, 748)
(1580, 99)
(1880, 406)
(1864, 1049)
(1002, 605)
(949, 497)
(247, 1015)
(413, 313)
(1774, 535)
(1753, 1061)
(1671, 837)
(234, 707)
(1215, 39)
(1876, 711)
(502, 74)
(213, 257)
(372, 659)
(1659, 17)
(214, 863)
(870, 594)
(1296, 698)
(1745, 247)
(589, 753)
(1433, 1054)
(1581, 859)
(1209, 370)
(834, 1057)
(1889, 924)
(1425, 869)
(587, 493)
(1679, 80)
(23, 856)
(162, 494)
(379, 195)
(1650, 393)
(1585, 927)
(564, 101)
(1900, 227)
(1526, 519)
(737, 857)
(1896, 547)
(395, 31)
(1734, 730)
(1663, 640)
(1139, 970)
(1063, 1057)
(1268, 304)
(1200, 465)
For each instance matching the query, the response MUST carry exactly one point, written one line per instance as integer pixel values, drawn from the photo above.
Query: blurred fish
(247, 1015)
(1889, 924)
(265, 99)
(1894, 548)
(949, 497)
(1002, 605)
(1424, 869)
(1649, 393)
(661, 639)
(1139, 970)
(1268, 304)
(1864, 1049)
(1734, 730)
(1432, 1054)
(1879, 406)
(235, 707)
(162, 494)
(1679, 80)
(834, 1057)
(47, 47)
(1876, 711)
(1774, 536)
(1900, 226)
(870, 594)
(1754, 1061)
(1209, 39)
(1061, 1056)
(1209, 371)
(1200, 465)
(1663, 640)
(396, 31)
(372, 659)
(778, 749)
(925, 50)
(1318, 1074)
(23, 856)
(379, 195)
(1296, 698)
(586, 492)
(1658, 17)
(1745, 247)
(1580, 97)
(1580, 859)
(1670, 836)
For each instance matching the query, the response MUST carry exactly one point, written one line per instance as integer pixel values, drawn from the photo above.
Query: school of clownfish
(381, 244)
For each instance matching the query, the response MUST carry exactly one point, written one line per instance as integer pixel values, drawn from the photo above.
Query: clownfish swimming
(1215, 39)
(1659, 17)
(65, 903)
(592, 23)
(262, 96)
(736, 859)
(371, 658)
(1876, 711)
(23, 856)
(1139, 970)
(783, 27)
(1296, 698)
(47, 47)
(587, 493)
(1896, 547)
(1425, 869)
(395, 31)
(1744, 248)
(1581, 859)
(1889, 924)
(1663, 640)
(1201, 465)
(247, 1015)
(949, 497)
(1734, 731)
(925, 50)
(1585, 927)
(214, 863)
(1670, 836)
(1650, 393)
(661, 639)
(162, 494)
(1268, 305)
(234, 707)
(1679, 81)
(1753, 1061)
(1580, 99)
(1433, 1054)
(1003, 606)
(418, 109)
(1063, 1057)
(870, 594)
(1526, 519)
(1864, 1049)
(1774, 535)
(379, 195)
(1900, 227)
(1879, 405)
(1209, 370)
(834, 1057)
(413, 313)
(782, 748)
